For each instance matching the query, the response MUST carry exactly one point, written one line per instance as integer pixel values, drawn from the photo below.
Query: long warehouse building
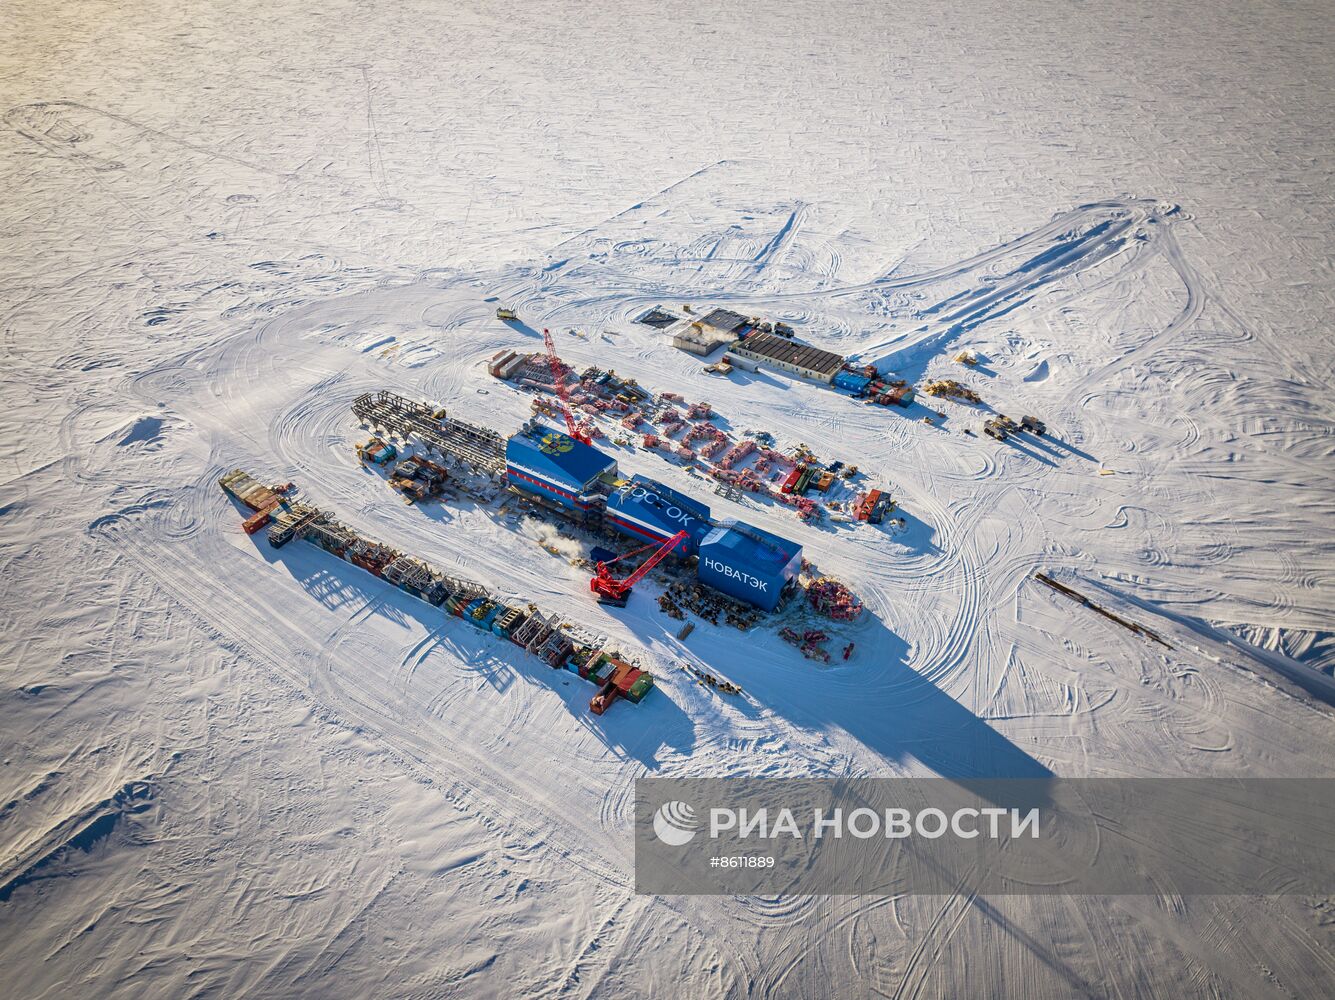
(793, 356)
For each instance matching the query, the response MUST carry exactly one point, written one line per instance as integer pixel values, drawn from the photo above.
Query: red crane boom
(560, 384)
(610, 590)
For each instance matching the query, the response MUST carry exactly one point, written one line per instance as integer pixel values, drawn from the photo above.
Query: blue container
(851, 382)
(554, 466)
(488, 616)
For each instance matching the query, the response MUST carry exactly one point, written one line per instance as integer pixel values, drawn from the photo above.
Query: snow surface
(234, 771)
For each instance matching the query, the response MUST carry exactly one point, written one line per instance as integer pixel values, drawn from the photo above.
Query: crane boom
(654, 559)
(610, 590)
(558, 381)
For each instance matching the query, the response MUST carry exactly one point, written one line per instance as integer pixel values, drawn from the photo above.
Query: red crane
(558, 380)
(616, 592)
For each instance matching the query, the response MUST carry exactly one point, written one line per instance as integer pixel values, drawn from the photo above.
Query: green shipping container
(643, 684)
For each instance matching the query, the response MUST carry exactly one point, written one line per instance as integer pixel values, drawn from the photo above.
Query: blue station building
(554, 467)
(649, 510)
(746, 563)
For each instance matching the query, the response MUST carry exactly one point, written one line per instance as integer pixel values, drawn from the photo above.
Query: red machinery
(616, 592)
(559, 382)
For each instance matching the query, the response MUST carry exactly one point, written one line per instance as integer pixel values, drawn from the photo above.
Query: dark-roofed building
(710, 332)
(792, 356)
(726, 321)
(659, 318)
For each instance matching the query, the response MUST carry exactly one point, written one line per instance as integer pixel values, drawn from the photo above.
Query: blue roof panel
(649, 509)
(748, 563)
(547, 454)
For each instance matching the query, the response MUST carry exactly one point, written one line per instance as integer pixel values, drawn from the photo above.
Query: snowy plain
(230, 771)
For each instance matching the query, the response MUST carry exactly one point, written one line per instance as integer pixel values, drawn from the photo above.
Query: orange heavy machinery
(559, 384)
(616, 592)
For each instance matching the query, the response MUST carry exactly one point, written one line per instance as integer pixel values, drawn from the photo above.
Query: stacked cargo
(505, 364)
(258, 520)
(602, 701)
(377, 451)
(640, 687)
(900, 395)
(545, 637)
(410, 576)
(625, 677)
(370, 556)
(250, 491)
(872, 506)
(556, 650)
(508, 621)
(331, 536)
(832, 598)
(602, 668)
(263, 500)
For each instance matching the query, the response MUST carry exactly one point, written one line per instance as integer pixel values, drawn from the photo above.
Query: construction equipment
(559, 384)
(948, 388)
(616, 592)
(833, 599)
(1034, 425)
(506, 313)
(999, 427)
(480, 447)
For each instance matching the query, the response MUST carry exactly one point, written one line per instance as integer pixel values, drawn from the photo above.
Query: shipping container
(852, 382)
(643, 684)
(625, 680)
(901, 395)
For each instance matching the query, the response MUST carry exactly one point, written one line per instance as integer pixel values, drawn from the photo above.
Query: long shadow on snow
(875, 697)
(638, 731)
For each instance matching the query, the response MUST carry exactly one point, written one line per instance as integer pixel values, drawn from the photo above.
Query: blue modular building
(646, 509)
(852, 382)
(552, 466)
(747, 563)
